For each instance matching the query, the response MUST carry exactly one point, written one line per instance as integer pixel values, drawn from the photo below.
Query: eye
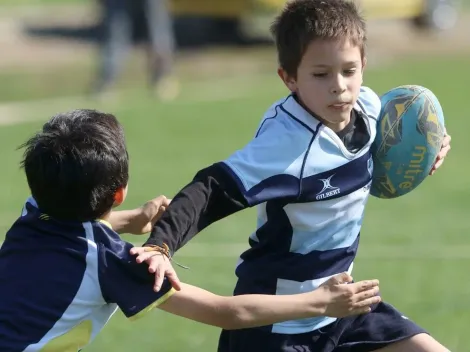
(319, 75)
(350, 72)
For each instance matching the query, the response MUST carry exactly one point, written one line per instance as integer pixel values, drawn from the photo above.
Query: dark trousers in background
(117, 38)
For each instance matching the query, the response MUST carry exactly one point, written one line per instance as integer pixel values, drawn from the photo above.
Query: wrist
(121, 220)
(317, 302)
(134, 218)
(155, 242)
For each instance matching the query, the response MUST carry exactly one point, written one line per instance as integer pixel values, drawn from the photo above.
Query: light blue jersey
(311, 194)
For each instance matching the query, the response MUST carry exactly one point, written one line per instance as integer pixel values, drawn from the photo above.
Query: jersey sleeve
(269, 167)
(211, 196)
(127, 283)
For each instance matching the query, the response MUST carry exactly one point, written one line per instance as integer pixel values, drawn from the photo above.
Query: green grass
(418, 245)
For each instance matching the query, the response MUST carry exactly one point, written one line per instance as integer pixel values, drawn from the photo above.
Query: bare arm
(140, 220)
(238, 312)
(122, 219)
(334, 298)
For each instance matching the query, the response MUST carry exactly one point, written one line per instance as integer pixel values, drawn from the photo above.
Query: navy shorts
(363, 333)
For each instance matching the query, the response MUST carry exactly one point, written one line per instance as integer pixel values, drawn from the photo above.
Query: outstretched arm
(211, 196)
(267, 168)
(334, 298)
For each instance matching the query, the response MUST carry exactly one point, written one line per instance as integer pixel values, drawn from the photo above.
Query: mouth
(339, 106)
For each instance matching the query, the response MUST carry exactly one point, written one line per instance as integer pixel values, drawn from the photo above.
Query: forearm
(245, 311)
(121, 220)
(211, 196)
(248, 311)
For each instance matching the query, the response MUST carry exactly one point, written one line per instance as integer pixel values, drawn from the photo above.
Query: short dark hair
(302, 21)
(76, 163)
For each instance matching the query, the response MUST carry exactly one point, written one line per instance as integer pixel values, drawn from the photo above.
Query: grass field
(418, 246)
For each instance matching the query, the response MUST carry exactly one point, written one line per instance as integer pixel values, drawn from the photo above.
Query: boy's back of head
(303, 21)
(76, 164)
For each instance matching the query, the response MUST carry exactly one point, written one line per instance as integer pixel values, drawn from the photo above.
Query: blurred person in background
(119, 17)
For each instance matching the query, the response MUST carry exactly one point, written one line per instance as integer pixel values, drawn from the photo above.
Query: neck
(105, 216)
(336, 127)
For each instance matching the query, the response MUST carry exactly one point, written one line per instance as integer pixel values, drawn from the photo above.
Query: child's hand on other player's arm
(445, 148)
(341, 297)
(159, 264)
(140, 220)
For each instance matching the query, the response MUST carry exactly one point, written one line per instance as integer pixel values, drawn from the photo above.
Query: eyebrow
(349, 63)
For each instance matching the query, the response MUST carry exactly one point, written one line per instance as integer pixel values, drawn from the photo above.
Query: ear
(288, 80)
(364, 64)
(120, 196)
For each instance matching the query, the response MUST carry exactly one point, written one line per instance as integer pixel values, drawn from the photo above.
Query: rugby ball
(410, 131)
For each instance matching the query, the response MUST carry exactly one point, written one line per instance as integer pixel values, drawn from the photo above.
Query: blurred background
(190, 80)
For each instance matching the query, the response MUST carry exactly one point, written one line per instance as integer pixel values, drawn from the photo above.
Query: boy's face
(328, 80)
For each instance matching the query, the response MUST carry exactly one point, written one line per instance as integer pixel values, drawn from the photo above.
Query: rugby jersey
(310, 188)
(62, 281)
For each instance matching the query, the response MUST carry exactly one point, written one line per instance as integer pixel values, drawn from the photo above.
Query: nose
(338, 85)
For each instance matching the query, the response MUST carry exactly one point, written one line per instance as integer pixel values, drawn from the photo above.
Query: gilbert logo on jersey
(328, 190)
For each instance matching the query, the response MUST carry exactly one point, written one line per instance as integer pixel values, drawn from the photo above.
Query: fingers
(445, 148)
(367, 302)
(163, 269)
(174, 280)
(359, 311)
(437, 165)
(159, 276)
(365, 295)
(364, 307)
(342, 278)
(156, 262)
(143, 253)
(443, 152)
(439, 160)
(365, 285)
(161, 203)
(153, 207)
(145, 256)
(361, 302)
(137, 250)
(159, 265)
(447, 139)
(160, 200)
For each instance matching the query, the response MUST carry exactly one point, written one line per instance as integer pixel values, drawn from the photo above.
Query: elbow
(232, 325)
(237, 320)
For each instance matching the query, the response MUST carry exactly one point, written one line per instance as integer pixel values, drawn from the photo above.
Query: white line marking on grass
(367, 252)
(14, 113)
(372, 252)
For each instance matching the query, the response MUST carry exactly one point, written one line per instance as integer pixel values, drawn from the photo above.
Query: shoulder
(282, 123)
(369, 101)
(108, 241)
(279, 140)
